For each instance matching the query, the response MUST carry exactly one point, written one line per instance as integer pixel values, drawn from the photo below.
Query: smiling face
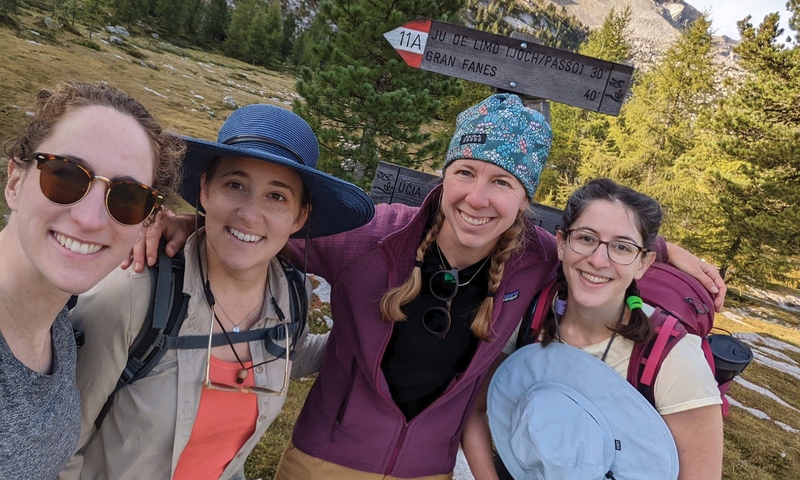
(72, 247)
(594, 280)
(252, 207)
(480, 201)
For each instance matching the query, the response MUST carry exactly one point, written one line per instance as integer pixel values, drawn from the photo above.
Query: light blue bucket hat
(559, 413)
(502, 131)
(279, 136)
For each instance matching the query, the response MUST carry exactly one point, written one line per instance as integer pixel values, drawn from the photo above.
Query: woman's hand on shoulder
(175, 229)
(708, 275)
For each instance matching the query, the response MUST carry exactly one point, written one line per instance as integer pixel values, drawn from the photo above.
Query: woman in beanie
(424, 299)
(206, 403)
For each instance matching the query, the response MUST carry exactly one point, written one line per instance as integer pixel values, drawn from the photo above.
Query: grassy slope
(25, 67)
(755, 448)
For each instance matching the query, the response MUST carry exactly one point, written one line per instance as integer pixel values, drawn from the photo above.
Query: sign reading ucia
(513, 65)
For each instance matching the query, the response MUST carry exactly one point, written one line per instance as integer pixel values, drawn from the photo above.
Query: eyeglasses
(443, 286)
(65, 182)
(248, 389)
(619, 252)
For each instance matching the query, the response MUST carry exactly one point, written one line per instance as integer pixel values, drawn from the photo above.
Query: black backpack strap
(164, 318)
(298, 312)
(196, 342)
(168, 310)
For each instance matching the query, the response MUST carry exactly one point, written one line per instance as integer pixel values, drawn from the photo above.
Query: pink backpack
(682, 305)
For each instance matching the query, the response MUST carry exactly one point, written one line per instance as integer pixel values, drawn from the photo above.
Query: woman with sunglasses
(424, 299)
(605, 244)
(201, 410)
(79, 189)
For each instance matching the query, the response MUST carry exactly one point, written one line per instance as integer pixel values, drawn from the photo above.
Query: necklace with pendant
(235, 328)
(445, 265)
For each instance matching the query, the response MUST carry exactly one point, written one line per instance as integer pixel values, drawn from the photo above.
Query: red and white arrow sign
(512, 64)
(409, 40)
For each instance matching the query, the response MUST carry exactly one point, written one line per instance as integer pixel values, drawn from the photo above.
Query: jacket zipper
(399, 444)
(343, 407)
(397, 447)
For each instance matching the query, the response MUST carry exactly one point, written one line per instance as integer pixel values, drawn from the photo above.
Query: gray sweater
(39, 414)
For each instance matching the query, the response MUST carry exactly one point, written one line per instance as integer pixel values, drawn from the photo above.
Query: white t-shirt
(685, 381)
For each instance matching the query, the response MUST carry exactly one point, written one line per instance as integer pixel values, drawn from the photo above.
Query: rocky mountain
(654, 26)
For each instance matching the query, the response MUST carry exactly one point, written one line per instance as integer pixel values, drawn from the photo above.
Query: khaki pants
(296, 465)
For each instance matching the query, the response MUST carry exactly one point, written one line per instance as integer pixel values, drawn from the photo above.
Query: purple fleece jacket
(349, 417)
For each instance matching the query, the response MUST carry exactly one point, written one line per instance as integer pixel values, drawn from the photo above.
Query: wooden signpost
(396, 184)
(514, 65)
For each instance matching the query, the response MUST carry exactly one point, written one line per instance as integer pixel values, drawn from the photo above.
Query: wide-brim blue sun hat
(279, 136)
(559, 413)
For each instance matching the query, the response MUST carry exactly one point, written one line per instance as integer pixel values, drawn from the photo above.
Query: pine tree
(576, 126)
(8, 9)
(131, 11)
(657, 125)
(363, 101)
(195, 11)
(255, 32)
(215, 22)
(93, 12)
(239, 29)
(273, 35)
(172, 15)
(754, 148)
(289, 31)
(303, 48)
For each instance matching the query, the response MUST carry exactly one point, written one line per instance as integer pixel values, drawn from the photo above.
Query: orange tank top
(224, 422)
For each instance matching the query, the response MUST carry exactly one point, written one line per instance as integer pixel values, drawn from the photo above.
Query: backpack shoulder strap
(647, 358)
(165, 315)
(298, 308)
(531, 325)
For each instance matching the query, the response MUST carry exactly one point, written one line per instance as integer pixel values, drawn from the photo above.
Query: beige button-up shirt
(151, 420)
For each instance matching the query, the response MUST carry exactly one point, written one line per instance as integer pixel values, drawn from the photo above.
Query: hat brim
(641, 432)
(336, 206)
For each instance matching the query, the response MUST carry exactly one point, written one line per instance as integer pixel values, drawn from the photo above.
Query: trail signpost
(511, 64)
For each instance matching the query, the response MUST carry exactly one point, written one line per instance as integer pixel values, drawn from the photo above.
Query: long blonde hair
(509, 242)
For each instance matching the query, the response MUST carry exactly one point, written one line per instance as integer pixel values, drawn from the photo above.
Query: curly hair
(53, 104)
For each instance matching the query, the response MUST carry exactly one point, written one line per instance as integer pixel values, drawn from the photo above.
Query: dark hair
(646, 212)
(53, 104)
(647, 216)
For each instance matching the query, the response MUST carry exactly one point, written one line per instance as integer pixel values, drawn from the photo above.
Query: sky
(725, 13)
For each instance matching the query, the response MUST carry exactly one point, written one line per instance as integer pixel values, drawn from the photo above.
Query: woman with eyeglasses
(606, 243)
(203, 408)
(423, 300)
(89, 168)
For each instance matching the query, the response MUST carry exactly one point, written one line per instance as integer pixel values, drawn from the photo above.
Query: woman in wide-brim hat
(202, 409)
